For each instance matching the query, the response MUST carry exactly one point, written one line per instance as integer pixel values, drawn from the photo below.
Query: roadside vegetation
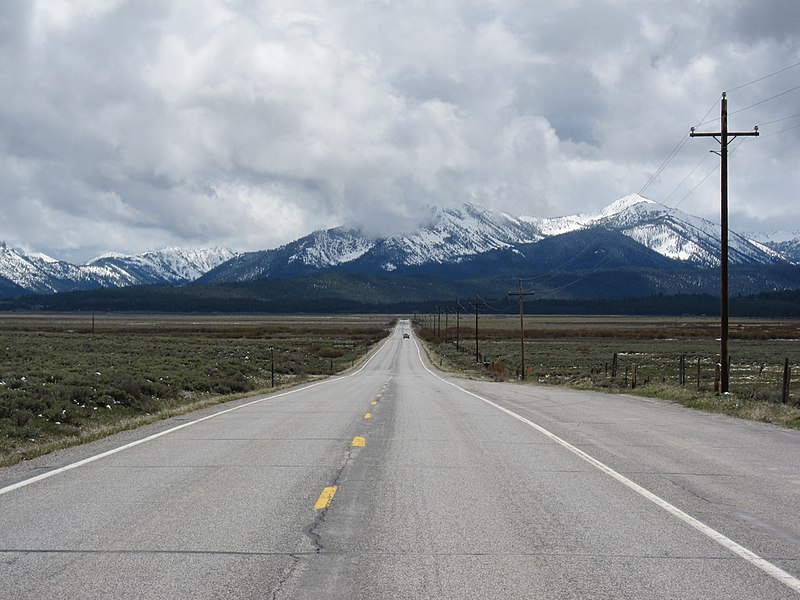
(579, 352)
(66, 379)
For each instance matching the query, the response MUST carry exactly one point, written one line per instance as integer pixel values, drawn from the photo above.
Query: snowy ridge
(41, 274)
(456, 233)
(331, 247)
(452, 234)
(169, 265)
(668, 231)
(784, 243)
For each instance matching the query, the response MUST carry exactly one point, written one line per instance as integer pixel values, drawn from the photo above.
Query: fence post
(698, 373)
(682, 371)
(717, 373)
(787, 376)
(614, 367)
(633, 376)
(756, 382)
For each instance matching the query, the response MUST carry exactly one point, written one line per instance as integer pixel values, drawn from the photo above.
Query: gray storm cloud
(130, 125)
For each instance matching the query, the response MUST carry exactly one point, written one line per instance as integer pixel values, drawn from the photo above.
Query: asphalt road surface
(397, 481)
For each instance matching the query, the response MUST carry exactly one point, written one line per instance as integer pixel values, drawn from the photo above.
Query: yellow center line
(359, 441)
(325, 498)
(368, 416)
(374, 402)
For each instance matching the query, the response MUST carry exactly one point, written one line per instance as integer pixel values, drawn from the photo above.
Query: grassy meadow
(65, 379)
(579, 352)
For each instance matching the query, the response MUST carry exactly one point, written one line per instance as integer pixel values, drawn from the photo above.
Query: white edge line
(770, 569)
(80, 463)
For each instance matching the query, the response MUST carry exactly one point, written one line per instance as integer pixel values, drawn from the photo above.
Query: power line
(708, 112)
(699, 183)
(779, 120)
(664, 164)
(736, 112)
(797, 87)
(744, 85)
(552, 273)
(703, 121)
(497, 309)
(674, 153)
(781, 131)
(740, 141)
(585, 275)
(675, 189)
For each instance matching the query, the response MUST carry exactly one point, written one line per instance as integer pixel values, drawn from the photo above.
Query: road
(398, 481)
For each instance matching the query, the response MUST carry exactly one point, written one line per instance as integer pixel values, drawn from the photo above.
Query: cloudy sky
(131, 125)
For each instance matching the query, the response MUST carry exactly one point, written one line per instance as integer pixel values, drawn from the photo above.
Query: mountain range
(37, 273)
(634, 246)
(456, 235)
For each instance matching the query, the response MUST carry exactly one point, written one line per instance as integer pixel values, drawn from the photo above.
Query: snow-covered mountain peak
(456, 232)
(43, 257)
(106, 255)
(331, 247)
(628, 202)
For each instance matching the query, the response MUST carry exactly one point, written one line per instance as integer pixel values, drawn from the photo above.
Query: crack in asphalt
(312, 531)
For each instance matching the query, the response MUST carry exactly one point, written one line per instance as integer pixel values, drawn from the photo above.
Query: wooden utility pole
(272, 366)
(724, 137)
(521, 295)
(458, 326)
(477, 354)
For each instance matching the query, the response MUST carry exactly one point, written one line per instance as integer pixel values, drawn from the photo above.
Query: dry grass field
(579, 352)
(68, 378)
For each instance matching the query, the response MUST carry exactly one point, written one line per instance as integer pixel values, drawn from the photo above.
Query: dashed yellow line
(374, 402)
(359, 441)
(368, 416)
(325, 498)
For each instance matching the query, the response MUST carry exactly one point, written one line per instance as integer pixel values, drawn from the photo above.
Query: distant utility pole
(477, 354)
(521, 294)
(723, 137)
(272, 366)
(458, 325)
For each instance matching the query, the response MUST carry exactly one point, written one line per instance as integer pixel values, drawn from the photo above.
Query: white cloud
(130, 125)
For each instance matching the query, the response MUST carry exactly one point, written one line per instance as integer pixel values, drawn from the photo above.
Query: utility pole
(477, 354)
(446, 314)
(272, 366)
(521, 294)
(724, 137)
(458, 325)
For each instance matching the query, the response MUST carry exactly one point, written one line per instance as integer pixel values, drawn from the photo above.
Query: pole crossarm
(733, 134)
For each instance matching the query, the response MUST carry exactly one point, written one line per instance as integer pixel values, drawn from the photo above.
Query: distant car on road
(406, 336)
